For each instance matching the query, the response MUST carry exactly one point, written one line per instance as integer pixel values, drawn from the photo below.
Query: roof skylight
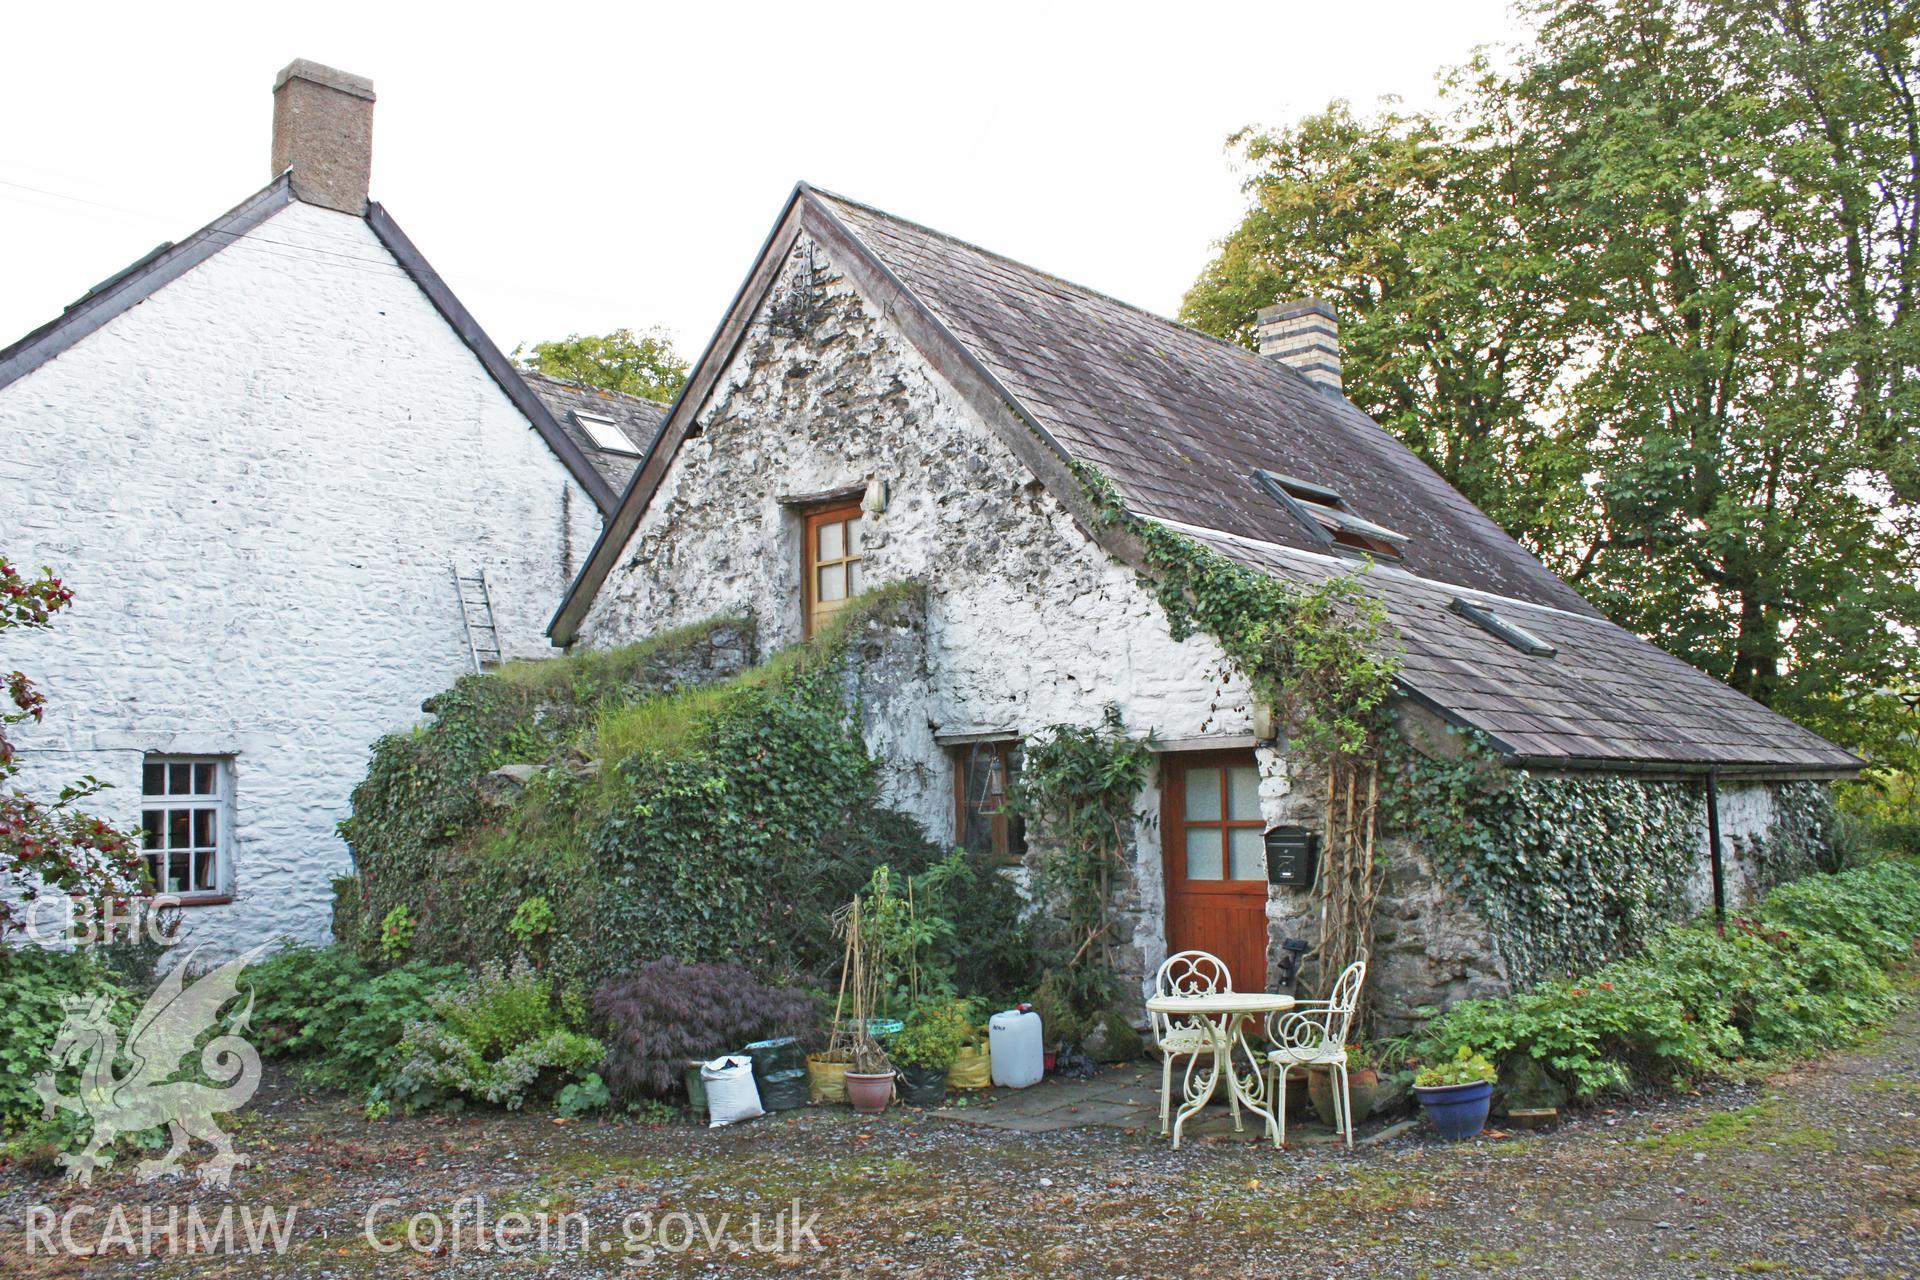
(1324, 514)
(606, 436)
(1514, 634)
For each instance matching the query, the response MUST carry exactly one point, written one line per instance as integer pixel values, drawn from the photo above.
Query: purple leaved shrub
(658, 1016)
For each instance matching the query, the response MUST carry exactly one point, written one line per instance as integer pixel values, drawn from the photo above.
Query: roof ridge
(528, 371)
(1259, 360)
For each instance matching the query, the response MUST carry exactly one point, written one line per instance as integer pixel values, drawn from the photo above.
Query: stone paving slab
(1128, 1098)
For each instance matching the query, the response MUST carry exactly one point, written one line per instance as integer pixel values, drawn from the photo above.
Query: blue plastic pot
(1457, 1110)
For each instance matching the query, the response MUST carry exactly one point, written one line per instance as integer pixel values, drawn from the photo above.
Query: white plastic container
(1019, 1059)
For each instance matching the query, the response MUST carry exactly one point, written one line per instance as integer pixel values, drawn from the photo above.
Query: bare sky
(575, 168)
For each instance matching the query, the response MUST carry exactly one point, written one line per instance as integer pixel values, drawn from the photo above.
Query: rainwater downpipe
(1713, 844)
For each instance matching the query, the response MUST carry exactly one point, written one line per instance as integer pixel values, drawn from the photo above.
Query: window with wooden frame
(983, 773)
(1219, 816)
(184, 824)
(830, 562)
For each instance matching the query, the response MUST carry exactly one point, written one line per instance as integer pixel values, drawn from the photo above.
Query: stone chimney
(1304, 334)
(323, 131)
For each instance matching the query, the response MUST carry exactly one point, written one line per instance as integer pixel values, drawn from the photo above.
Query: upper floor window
(184, 820)
(830, 568)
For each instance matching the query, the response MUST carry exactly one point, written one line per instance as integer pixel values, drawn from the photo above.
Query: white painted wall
(255, 483)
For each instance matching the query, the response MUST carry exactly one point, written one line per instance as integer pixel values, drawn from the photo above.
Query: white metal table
(1224, 1015)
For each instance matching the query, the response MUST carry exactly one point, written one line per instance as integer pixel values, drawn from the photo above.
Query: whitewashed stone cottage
(883, 402)
(259, 457)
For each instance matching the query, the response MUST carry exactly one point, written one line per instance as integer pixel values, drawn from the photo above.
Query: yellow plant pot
(973, 1069)
(826, 1081)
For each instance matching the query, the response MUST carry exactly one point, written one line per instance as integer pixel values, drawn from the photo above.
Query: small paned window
(1326, 518)
(831, 562)
(1225, 834)
(605, 434)
(983, 773)
(1513, 633)
(183, 823)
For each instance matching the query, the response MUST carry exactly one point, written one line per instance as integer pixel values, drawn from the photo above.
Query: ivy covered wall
(1570, 871)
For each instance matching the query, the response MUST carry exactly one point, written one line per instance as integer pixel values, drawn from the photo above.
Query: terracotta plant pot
(826, 1080)
(1361, 1088)
(1297, 1101)
(869, 1094)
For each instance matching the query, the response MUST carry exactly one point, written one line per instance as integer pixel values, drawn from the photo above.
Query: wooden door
(1212, 841)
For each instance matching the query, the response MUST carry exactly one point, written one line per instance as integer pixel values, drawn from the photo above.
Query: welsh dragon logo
(145, 1095)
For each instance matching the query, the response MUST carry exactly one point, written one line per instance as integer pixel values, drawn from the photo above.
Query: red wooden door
(1212, 841)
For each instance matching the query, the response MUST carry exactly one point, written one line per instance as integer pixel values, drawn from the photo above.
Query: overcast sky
(575, 168)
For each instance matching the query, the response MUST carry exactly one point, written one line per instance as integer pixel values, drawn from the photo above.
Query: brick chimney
(1304, 334)
(323, 131)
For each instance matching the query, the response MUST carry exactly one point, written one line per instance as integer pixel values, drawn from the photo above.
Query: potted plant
(1456, 1093)
(1060, 1027)
(1363, 1085)
(935, 1033)
(869, 1075)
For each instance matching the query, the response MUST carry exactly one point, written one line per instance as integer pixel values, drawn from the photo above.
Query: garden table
(1223, 1015)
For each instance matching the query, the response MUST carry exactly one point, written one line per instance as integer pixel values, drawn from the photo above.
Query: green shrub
(935, 1033)
(1875, 907)
(720, 822)
(502, 1037)
(330, 1011)
(1805, 972)
(34, 983)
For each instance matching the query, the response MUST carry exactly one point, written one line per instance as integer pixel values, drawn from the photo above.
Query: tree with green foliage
(644, 364)
(1646, 295)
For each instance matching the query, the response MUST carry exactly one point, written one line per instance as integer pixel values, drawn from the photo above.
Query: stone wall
(256, 482)
(1028, 623)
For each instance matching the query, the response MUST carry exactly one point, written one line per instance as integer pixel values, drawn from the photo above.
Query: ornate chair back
(1319, 1028)
(1187, 973)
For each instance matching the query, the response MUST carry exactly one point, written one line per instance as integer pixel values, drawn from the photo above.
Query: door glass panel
(1243, 793)
(1246, 854)
(1203, 853)
(833, 582)
(833, 541)
(1203, 795)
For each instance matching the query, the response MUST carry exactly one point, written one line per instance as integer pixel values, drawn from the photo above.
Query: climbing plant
(1077, 789)
(1323, 656)
(1569, 872)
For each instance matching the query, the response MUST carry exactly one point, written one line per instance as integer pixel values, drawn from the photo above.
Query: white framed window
(605, 434)
(186, 824)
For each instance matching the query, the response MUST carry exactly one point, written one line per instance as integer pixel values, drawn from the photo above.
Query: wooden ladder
(476, 615)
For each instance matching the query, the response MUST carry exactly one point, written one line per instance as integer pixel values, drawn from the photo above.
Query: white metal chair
(1186, 973)
(1314, 1034)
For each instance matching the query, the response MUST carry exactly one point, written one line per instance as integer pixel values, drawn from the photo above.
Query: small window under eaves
(606, 437)
(1324, 515)
(1514, 634)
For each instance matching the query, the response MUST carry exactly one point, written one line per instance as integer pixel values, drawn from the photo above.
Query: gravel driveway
(1815, 1173)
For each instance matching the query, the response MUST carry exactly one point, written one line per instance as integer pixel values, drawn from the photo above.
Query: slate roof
(1180, 421)
(140, 280)
(1603, 698)
(638, 419)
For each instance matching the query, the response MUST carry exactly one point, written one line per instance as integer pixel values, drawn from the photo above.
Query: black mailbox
(1290, 856)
